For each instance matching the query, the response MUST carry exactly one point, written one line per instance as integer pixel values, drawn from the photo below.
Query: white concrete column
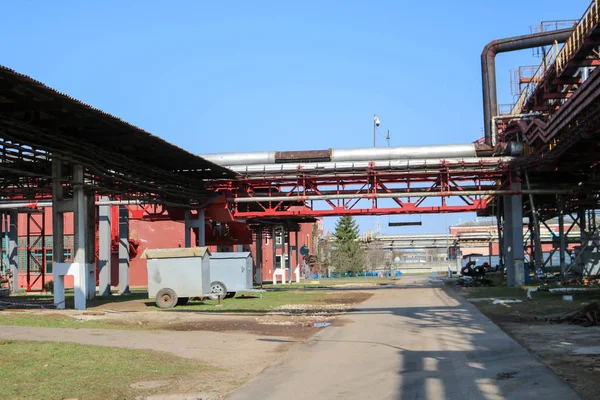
(190, 224)
(81, 221)
(123, 250)
(90, 251)
(13, 250)
(104, 249)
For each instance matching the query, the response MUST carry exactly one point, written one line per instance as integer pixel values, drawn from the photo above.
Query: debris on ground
(585, 316)
(321, 324)
(505, 375)
(506, 301)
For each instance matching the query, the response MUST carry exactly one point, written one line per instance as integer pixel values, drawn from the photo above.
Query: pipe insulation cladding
(488, 67)
(452, 151)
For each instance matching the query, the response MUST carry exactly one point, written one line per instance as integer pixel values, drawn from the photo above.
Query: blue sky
(276, 75)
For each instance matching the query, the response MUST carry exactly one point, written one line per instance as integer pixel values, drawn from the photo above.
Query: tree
(348, 254)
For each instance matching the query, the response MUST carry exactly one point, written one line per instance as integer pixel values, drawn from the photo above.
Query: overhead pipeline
(488, 67)
(450, 151)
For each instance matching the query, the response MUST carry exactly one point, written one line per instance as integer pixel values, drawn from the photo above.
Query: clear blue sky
(275, 75)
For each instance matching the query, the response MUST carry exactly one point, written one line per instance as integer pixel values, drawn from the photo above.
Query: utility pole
(375, 125)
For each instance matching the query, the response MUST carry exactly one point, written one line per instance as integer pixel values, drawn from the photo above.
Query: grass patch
(41, 370)
(331, 282)
(57, 321)
(270, 301)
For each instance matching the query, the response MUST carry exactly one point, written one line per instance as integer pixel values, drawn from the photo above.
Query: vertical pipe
(124, 250)
(104, 251)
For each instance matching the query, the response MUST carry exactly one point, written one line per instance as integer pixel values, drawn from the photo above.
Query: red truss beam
(255, 197)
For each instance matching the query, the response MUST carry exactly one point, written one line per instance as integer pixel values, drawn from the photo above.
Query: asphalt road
(410, 342)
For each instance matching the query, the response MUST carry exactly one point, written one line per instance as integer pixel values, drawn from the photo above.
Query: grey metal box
(233, 269)
(184, 270)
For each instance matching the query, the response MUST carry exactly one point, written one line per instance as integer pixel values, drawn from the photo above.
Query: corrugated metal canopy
(38, 123)
(21, 95)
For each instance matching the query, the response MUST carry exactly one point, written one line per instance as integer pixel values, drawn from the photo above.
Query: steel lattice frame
(301, 195)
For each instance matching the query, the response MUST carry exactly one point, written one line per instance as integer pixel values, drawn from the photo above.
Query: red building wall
(157, 234)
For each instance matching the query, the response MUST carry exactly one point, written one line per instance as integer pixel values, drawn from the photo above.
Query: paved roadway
(410, 342)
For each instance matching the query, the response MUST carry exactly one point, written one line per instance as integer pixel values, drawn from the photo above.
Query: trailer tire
(230, 295)
(166, 298)
(182, 301)
(218, 288)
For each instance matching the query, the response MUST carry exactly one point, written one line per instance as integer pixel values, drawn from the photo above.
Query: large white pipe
(349, 166)
(358, 154)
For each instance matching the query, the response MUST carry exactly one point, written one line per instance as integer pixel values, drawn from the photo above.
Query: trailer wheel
(230, 295)
(166, 298)
(182, 301)
(218, 289)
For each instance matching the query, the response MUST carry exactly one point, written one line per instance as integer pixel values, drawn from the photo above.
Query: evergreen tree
(348, 255)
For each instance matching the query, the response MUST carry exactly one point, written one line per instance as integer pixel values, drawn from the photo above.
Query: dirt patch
(297, 331)
(357, 298)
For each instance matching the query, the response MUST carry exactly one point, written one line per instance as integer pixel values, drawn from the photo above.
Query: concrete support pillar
(201, 228)
(561, 236)
(199, 224)
(80, 256)
(90, 250)
(187, 218)
(537, 245)
(123, 250)
(13, 250)
(104, 249)
(517, 237)
(259, 255)
(58, 231)
(287, 248)
(274, 247)
(297, 234)
(507, 241)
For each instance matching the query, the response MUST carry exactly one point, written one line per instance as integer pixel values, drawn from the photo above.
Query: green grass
(40, 370)
(271, 300)
(332, 282)
(57, 321)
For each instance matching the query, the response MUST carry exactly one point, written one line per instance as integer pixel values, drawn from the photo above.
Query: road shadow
(451, 351)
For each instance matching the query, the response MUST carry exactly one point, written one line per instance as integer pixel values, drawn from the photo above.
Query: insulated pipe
(357, 154)
(41, 204)
(363, 165)
(488, 67)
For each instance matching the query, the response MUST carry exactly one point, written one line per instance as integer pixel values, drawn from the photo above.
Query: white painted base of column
(81, 277)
